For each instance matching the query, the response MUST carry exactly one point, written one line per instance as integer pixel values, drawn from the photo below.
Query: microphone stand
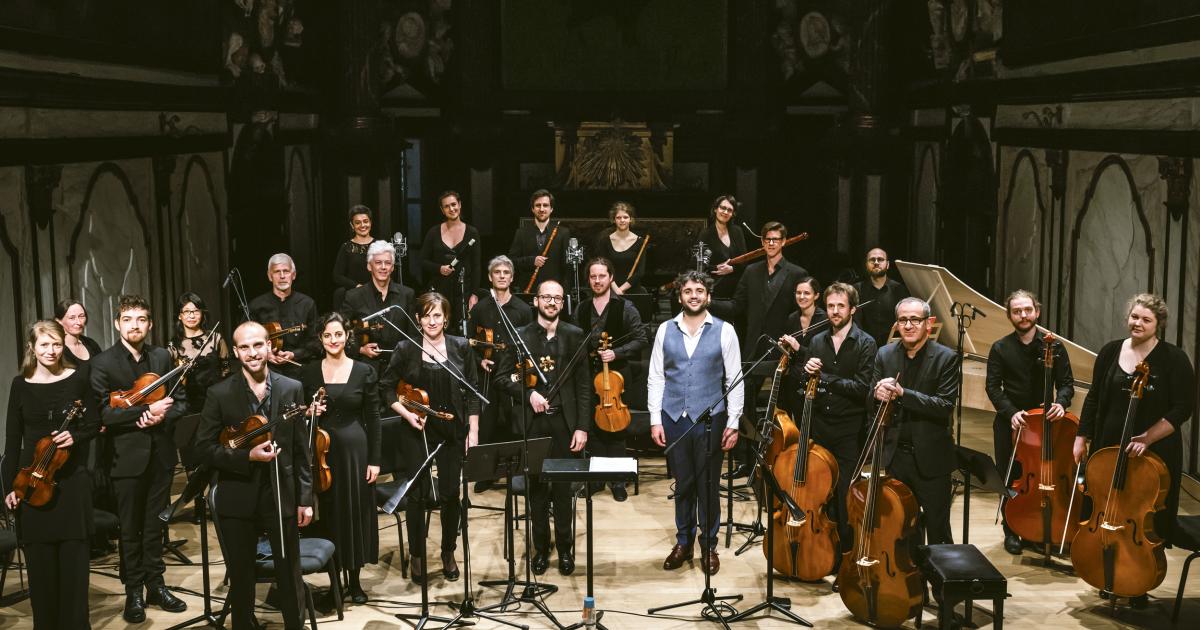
(958, 312)
(239, 291)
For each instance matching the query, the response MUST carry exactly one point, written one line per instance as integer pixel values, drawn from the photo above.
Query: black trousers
(139, 500)
(932, 493)
(542, 494)
(239, 545)
(840, 437)
(449, 462)
(1002, 440)
(58, 584)
(495, 420)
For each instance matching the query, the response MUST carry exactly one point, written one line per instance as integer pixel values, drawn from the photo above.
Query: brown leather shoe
(679, 554)
(711, 563)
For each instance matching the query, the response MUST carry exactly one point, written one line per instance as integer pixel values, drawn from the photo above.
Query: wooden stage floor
(631, 540)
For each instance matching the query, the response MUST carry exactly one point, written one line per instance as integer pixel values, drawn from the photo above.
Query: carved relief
(416, 44)
(808, 36)
(614, 156)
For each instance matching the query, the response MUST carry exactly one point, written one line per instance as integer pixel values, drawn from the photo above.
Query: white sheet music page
(613, 464)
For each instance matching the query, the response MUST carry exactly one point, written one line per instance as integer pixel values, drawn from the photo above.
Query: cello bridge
(1110, 527)
(1046, 487)
(794, 522)
(866, 561)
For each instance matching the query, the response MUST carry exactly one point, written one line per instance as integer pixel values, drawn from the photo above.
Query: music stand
(588, 471)
(185, 431)
(972, 463)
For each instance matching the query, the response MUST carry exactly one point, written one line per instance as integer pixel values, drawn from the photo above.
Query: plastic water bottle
(589, 612)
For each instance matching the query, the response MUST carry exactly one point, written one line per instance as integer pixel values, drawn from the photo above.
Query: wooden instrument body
(783, 430)
(611, 414)
(1045, 485)
(1129, 561)
(416, 400)
(545, 252)
(276, 332)
(807, 550)
(131, 397)
(322, 474)
(486, 338)
(363, 330)
(35, 483)
(525, 368)
(877, 580)
(249, 433)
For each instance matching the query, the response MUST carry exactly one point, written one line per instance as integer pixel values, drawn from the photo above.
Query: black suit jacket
(406, 364)
(765, 310)
(239, 481)
(927, 405)
(524, 249)
(574, 397)
(112, 370)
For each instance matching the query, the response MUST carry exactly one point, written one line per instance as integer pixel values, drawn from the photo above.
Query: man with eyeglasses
(565, 418)
(920, 377)
(1015, 374)
(883, 293)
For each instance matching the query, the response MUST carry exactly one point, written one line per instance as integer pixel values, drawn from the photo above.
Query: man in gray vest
(695, 358)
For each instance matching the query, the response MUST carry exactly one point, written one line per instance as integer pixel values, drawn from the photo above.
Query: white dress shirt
(730, 352)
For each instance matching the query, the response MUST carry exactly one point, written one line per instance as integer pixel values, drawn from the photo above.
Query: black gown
(347, 509)
(93, 349)
(622, 265)
(435, 253)
(725, 285)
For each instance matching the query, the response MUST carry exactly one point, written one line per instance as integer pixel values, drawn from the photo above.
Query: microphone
(574, 251)
(379, 313)
(228, 278)
(400, 244)
(756, 235)
(454, 263)
(975, 311)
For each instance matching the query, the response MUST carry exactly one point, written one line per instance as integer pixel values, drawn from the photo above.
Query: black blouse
(623, 261)
(1170, 395)
(355, 401)
(725, 285)
(93, 349)
(350, 266)
(435, 253)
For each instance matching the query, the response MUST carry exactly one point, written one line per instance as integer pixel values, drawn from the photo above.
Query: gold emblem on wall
(614, 155)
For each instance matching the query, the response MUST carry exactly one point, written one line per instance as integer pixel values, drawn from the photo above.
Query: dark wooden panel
(1136, 141)
(70, 150)
(1037, 31)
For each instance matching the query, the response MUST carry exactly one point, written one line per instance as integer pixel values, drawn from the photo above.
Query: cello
(1126, 492)
(35, 483)
(878, 581)
(778, 429)
(611, 413)
(1043, 509)
(809, 547)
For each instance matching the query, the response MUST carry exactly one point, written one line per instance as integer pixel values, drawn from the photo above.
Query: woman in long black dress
(623, 248)
(451, 248)
(191, 326)
(1166, 404)
(350, 266)
(726, 241)
(73, 317)
(351, 417)
(425, 368)
(55, 536)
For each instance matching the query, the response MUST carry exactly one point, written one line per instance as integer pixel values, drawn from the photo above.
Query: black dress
(351, 418)
(622, 265)
(435, 253)
(93, 349)
(725, 285)
(55, 536)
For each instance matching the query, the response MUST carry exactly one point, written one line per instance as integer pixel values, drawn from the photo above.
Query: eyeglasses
(553, 299)
(906, 322)
(189, 311)
(877, 259)
(772, 239)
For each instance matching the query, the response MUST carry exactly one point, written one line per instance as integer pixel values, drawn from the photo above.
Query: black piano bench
(959, 573)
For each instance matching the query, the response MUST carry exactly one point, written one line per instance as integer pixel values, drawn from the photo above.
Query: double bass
(808, 548)
(1126, 492)
(778, 429)
(35, 483)
(1043, 509)
(611, 414)
(878, 581)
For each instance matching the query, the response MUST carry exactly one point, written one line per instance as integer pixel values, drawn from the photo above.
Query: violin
(276, 332)
(1126, 492)
(256, 429)
(1043, 508)
(321, 474)
(612, 414)
(362, 330)
(485, 338)
(809, 546)
(147, 389)
(877, 580)
(35, 483)
(416, 400)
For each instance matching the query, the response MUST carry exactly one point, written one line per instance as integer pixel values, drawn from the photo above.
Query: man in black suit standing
(243, 499)
(143, 455)
(529, 242)
(565, 418)
(918, 450)
(381, 292)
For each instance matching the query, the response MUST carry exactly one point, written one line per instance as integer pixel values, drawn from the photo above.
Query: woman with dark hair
(351, 417)
(350, 266)
(451, 248)
(428, 368)
(56, 535)
(187, 342)
(72, 316)
(808, 313)
(726, 241)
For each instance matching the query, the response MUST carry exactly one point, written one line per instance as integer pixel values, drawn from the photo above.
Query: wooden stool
(962, 573)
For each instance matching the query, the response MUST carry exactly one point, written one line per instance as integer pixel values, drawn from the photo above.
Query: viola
(319, 438)
(416, 400)
(276, 333)
(256, 429)
(611, 413)
(808, 472)
(147, 389)
(35, 483)
(877, 580)
(1043, 509)
(485, 338)
(1126, 492)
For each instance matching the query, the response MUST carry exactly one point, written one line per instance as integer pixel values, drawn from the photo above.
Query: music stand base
(782, 605)
(710, 612)
(531, 593)
(207, 619)
(421, 620)
(467, 608)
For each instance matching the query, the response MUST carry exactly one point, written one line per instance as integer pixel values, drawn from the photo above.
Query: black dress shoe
(357, 595)
(619, 492)
(743, 470)
(541, 562)
(135, 607)
(163, 598)
(449, 567)
(1012, 544)
(566, 563)
(484, 486)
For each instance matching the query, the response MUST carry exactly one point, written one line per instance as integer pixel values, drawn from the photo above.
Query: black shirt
(292, 310)
(529, 243)
(724, 286)
(365, 300)
(877, 317)
(845, 384)
(486, 314)
(1016, 375)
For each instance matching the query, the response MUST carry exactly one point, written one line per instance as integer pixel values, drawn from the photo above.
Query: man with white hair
(289, 308)
(381, 292)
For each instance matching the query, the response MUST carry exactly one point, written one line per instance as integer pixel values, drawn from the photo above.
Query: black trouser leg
(840, 437)
(932, 494)
(239, 543)
(139, 500)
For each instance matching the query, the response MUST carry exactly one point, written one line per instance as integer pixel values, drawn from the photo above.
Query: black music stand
(185, 431)
(972, 463)
(588, 471)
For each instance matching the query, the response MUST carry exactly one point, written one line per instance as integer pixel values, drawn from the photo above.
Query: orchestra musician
(808, 314)
(243, 492)
(350, 265)
(726, 241)
(529, 243)
(286, 306)
(565, 419)
(918, 450)
(55, 536)
(610, 312)
(381, 292)
(450, 248)
(1167, 402)
(72, 316)
(143, 454)
(883, 293)
(191, 328)
(351, 417)
(844, 355)
(627, 252)
(1015, 373)
(694, 359)
(495, 419)
(425, 368)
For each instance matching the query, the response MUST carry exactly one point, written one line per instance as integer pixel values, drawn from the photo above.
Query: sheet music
(612, 465)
